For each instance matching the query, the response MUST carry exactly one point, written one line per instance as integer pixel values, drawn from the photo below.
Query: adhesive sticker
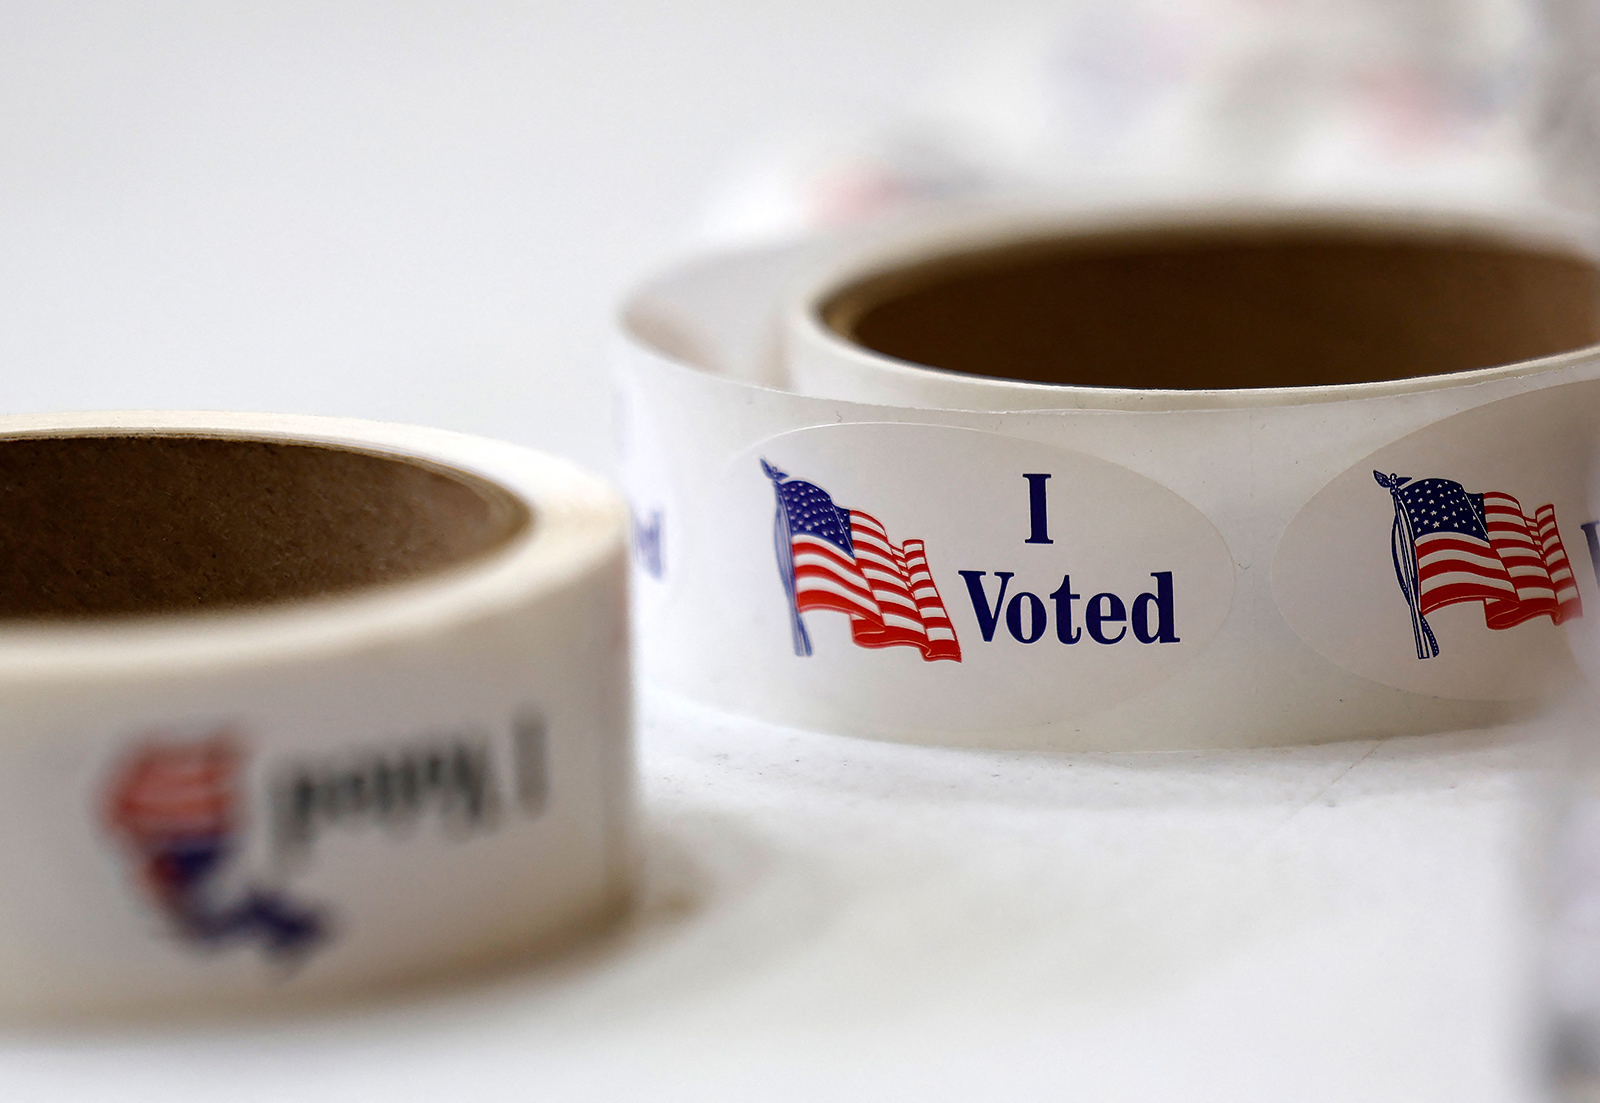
(1454, 562)
(953, 579)
(653, 514)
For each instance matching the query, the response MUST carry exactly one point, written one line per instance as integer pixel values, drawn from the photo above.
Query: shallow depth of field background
(425, 212)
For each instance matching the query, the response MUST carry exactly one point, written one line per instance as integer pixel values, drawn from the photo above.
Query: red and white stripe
(887, 590)
(1452, 568)
(1536, 561)
(930, 607)
(175, 790)
(1555, 558)
(1522, 571)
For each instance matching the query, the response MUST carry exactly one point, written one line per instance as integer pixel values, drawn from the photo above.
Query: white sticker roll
(295, 706)
(889, 488)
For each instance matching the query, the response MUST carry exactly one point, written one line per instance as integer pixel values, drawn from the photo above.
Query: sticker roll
(297, 707)
(1130, 480)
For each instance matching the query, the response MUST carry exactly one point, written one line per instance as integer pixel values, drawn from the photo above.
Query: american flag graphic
(175, 805)
(1450, 546)
(174, 791)
(843, 560)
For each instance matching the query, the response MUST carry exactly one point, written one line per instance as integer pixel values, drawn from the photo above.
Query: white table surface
(838, 919)
(424, 212)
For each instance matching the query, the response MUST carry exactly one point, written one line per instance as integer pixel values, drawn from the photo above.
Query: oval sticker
(1455, 561)
(935, 578)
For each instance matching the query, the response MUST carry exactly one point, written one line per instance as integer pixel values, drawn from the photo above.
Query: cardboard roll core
(116, 525)
(1227, 307)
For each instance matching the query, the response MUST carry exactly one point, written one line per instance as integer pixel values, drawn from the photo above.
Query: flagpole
(1406, 571)
(783, 545)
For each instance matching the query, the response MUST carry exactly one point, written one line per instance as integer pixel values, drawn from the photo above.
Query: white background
(410, 211)
(424, 212)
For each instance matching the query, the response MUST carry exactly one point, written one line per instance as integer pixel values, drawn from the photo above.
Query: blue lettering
(1166, 618)
(1038, 523)
(1104, 609)
(1064, 598)
(1153, 616)
(1038, 620)
(987, 617)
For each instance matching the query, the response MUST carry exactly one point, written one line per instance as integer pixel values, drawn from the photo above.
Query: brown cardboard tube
(1234, 306)
(105, 525)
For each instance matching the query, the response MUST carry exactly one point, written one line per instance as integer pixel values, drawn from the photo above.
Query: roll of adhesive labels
(297, 705)
(1131, 480)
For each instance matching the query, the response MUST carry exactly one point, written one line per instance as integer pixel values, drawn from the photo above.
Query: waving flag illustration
(176, 806)
(842, 559)
(1450, 546)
